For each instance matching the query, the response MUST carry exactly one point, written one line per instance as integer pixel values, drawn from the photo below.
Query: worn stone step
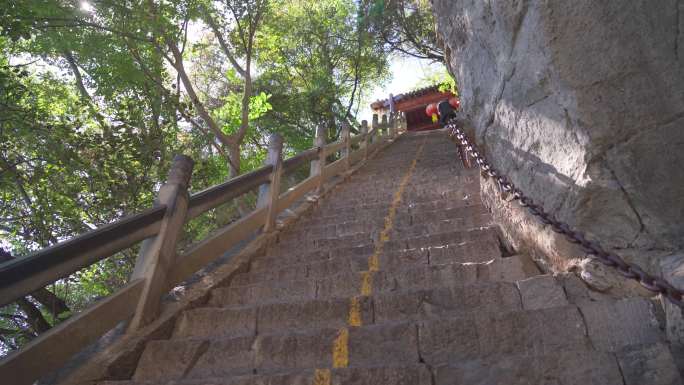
(398, 243)
(422, 190)
(278, 269)
(380, 308)
(424, 166)
(386, 180)
(406, 215)
(403, 227)
(403, 220)
(347, 285)
(482, 335)
(396, 375)
(441, 239)
(568, 367)
(362, 207)
(436, 342)
(367, 346)
(448, 246)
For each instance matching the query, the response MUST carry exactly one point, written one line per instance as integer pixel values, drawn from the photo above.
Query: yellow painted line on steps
(374, 259)
(340, 349)
(354, 318)
(366, 283)
(322, 377)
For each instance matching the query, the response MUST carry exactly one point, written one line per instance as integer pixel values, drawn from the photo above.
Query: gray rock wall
(581, 103)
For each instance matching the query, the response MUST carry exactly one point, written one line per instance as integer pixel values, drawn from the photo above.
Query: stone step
(435, 342)
(404, 225)
(396, 375)
(367, 239)
(482, 335)
(413, 212)
(479, 242)
(382, 184)
(345, 285)
(355, 232)
(363, 203)
(578, 367)
(279, 269)
(242, 321)
(374, 345)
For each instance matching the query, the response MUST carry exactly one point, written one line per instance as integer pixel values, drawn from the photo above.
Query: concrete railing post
(384, 124)
(269, 192)
(375, 124)
(366, 139)
(318, 166)
(393, 124)
(158, 254)
(346, 150)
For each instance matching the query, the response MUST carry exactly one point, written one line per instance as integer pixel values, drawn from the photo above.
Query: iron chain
(593, 248)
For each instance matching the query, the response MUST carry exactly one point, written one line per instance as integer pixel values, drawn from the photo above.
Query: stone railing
(159, 267)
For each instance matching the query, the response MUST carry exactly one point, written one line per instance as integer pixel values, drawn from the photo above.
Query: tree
(95, 100)
(405, 26)
(316, 58)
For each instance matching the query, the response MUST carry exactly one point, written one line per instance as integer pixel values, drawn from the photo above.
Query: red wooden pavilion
(412, 105)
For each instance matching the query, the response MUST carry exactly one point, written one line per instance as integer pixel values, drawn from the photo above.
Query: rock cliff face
(581, 103)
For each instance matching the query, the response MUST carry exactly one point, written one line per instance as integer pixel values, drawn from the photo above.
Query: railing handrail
(75, 253)
(215, 196)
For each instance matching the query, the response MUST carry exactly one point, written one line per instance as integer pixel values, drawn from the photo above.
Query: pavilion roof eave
(410, 104)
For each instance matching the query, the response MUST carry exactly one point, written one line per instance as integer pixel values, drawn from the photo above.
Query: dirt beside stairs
(397, 278)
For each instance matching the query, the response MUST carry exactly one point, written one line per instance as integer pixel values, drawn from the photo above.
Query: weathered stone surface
(168, 360)
(648, 365)
(476, 251)
(333, 313)
(216, 322)
(672, 268)
(225, 357)
(295, 351)
(425, 277)
(561, 367)
(264, 292)
(615, 325)
(376, 345)
(278, 274)
(483, 335)
(402, 259)
(405, 375)
(511, 269)
(541, 292)
(446, 302)
(576, 110)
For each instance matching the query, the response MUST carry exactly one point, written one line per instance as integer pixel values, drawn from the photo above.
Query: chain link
(510, 192)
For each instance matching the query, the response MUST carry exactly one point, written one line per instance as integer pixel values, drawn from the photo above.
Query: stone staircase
(398, 278)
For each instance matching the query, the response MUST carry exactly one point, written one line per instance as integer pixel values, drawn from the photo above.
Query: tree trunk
(35, 318)
(52, 303)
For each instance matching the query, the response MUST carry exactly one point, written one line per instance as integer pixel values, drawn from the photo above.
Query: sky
(406, 73)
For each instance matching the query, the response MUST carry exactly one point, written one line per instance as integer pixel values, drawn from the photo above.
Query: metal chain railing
(593, 248)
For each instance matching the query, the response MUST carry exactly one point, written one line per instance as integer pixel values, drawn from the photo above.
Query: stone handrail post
(158, 254)
(269, 192)
(384, 125)
(366, 139)
(346, 150)
(374, 125)
(393, 124)
(318, 165)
